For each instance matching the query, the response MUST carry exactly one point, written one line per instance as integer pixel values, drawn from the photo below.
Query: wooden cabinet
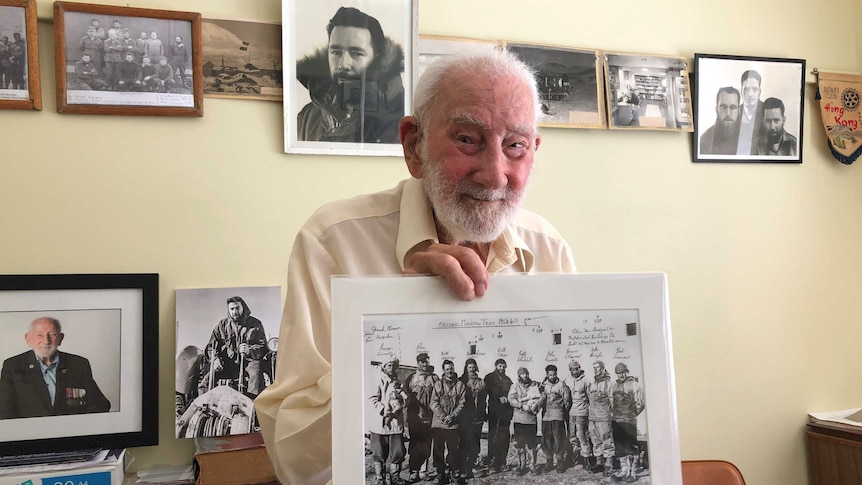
(834, 454)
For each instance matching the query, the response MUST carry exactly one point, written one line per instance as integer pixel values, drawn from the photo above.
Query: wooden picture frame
(771, 91)
(91, 80)
(20, 86)
(347, 113)
(109, 326)
(570, 84)
(647, 92)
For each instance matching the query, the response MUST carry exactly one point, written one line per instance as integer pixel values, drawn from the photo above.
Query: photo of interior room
(648, 91)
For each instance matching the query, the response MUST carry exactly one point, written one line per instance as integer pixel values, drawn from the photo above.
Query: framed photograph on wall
(648, 92)
(570, 84)
(20, 87)
(100, 335)
(396, 332)
(349, 72)
(748, 109)
(242, 60)
(127, 61)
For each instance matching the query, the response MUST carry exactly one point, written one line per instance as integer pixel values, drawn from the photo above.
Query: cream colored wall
(763, 260)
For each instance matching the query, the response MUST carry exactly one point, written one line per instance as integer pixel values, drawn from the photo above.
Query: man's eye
(465, 139)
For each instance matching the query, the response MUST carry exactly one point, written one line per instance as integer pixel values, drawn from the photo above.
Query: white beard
(458, 210)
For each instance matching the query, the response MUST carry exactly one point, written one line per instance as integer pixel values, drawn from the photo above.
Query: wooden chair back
(711, 472)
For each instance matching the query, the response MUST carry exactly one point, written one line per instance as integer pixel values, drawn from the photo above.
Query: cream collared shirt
(372, 234)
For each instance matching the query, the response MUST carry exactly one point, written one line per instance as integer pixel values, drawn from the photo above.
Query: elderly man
(46, 382)
(354, 83)
(470, 147)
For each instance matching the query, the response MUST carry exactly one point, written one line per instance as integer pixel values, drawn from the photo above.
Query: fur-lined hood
(313, 70)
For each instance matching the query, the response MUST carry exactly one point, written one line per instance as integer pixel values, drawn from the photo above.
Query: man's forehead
(347, 37)
(466, 119)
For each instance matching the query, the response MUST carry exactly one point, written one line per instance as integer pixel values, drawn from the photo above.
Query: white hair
(491, 61)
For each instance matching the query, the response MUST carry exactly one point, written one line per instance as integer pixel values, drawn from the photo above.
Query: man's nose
(492, 172)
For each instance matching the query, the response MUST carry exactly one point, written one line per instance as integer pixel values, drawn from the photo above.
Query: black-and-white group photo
(648, 92)
(227, 345)
(125, 60)
(505, 398)
(13, 53)
(569, 83)
(748, 109)
(349, 63)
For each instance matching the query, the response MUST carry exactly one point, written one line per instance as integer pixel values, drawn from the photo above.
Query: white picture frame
(360, 304)
(305, 35)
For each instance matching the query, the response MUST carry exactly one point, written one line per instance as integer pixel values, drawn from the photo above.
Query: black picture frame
(89, 307)
(779, 82)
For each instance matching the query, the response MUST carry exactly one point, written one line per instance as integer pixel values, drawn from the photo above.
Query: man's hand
(243, 348)
(217, 365)
(461, 267)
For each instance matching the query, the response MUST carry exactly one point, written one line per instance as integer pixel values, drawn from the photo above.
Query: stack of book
(93, 467)
(232, 460)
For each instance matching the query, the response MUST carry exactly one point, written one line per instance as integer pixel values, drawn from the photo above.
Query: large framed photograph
(20, 87)
(748, 109)
(80, 362)
(127, 61)
(242, 60)
(648, 92)
(349, 67)
(569, 81)
(467, 376)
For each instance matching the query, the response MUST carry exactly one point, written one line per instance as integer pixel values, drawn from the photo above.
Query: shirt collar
(416, 231)
(54, 360)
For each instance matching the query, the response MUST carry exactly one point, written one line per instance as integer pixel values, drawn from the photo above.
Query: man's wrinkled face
(350, 52)
(43, 338)
(234, 309)
(751, 92)
(477, 155)
(773, 123)
(727, 109)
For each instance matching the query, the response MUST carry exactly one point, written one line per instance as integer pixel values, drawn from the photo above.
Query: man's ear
(410, 136)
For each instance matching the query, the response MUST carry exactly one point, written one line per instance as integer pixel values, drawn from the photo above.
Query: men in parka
(386, 426)
(557, 401)
(579, 421)
(419, 386)
(447, 402)
(627, 403)
(355, 85)
(526, 398)
(600, 393)
(473, 416)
